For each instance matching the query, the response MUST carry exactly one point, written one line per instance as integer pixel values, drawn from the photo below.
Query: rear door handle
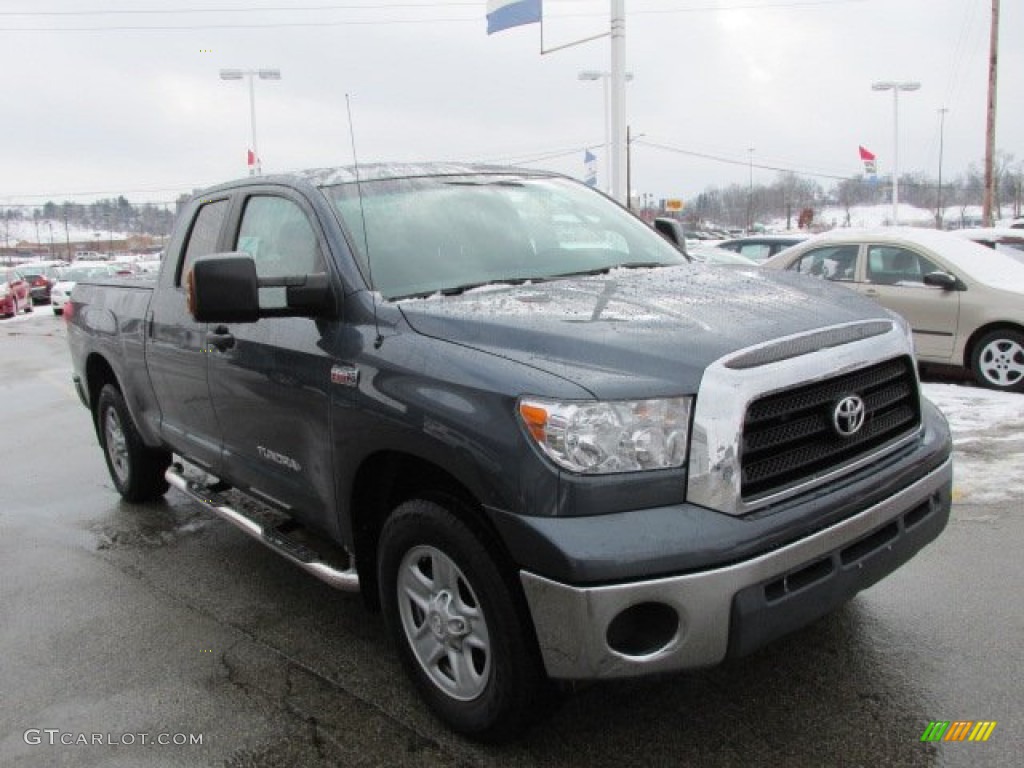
(221, 338)
(870, 292)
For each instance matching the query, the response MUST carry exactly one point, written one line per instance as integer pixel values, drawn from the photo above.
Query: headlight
(5, 291)
(615, 436)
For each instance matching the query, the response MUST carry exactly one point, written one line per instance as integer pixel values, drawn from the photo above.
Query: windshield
(451, 233)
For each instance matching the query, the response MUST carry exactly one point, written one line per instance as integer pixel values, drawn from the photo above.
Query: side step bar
(346, 580)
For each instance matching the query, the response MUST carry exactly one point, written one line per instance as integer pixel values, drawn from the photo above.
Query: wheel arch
(387, 478)
(984, 330)
(98, 373)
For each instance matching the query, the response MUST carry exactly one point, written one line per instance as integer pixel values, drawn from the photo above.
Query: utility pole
(939, 213)
(990, 123)
(618, 101)
(67, 235)
(750, 189)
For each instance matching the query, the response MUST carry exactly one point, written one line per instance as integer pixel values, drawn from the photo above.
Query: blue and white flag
(590, 169)
(502, 14)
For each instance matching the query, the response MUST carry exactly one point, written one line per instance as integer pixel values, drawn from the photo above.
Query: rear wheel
(457, 623)
(137, 470)
(998, 361)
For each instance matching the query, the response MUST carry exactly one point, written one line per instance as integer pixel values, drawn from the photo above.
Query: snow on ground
(988, 441)
(24, 230)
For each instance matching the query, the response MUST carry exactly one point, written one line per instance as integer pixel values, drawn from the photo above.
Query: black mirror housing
(672, 230)
(942, 280)
(223, 288)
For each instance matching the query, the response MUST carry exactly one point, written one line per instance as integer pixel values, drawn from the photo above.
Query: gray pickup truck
(516, 419)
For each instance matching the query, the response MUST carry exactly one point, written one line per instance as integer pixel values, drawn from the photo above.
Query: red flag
(252, 158)
(865, 155)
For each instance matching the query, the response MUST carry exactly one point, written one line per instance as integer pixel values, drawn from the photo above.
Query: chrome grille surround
(714, 478)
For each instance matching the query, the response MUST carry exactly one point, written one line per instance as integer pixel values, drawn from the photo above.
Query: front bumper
(697, 619)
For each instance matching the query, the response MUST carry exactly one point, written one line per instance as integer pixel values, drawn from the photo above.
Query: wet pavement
(121, 621)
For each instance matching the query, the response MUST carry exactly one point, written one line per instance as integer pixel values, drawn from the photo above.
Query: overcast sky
(138, 108)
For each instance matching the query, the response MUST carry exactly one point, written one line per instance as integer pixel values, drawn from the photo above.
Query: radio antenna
(378, 340)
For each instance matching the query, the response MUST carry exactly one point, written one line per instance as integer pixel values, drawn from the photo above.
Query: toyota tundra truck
(517, 420)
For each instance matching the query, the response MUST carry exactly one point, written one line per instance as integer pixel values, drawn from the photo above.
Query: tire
(137, 470)
(461, 628)
(29, 307)
(998, 361)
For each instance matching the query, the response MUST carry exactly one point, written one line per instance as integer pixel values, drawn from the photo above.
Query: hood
(637, 333)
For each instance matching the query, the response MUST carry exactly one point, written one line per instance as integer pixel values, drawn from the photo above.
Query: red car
(15, 293)
(41, 279)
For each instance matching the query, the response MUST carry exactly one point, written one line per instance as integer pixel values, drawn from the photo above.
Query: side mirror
(942, 280)
(672, 231)
(224, 288)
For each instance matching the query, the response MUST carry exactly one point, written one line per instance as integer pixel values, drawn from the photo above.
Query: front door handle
(870, 292)
(221, 338)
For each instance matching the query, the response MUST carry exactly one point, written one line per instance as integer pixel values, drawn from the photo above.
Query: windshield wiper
(610, 267)
(455, 290)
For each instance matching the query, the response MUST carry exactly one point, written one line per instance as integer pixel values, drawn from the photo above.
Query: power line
(767, 167)
(476, 18)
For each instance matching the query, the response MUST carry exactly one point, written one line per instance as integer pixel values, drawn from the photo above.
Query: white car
(964, 302)
(60, 294)
(1004, 239)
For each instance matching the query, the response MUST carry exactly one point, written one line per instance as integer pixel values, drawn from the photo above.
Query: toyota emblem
(848, 416)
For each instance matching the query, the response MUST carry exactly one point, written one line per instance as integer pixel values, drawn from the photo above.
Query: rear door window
(202, 240)
(833, 262)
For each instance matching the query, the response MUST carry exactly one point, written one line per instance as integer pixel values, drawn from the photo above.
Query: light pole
(939, 213)
(593, 74)
(252, 74)
(895, 87)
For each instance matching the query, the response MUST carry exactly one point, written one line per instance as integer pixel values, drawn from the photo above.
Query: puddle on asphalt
(149, 526)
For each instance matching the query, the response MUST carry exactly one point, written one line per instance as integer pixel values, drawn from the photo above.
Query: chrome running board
(276, 539)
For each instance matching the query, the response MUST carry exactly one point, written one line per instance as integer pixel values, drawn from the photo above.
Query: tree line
(107, 215)
(789, 195)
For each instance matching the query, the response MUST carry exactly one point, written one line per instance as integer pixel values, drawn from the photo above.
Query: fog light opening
(642, 629)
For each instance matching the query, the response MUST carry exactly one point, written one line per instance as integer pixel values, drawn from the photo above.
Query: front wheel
(998, 361)
(136, 469)
(458, 623)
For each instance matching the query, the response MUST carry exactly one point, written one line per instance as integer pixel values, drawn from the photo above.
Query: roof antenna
(378, 340)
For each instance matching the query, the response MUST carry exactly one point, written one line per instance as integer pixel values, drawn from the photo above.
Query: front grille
(789, 437)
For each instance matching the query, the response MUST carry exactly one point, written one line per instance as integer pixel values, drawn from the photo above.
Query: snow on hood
(650, 329)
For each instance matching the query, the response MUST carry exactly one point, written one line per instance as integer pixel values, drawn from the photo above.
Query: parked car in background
(964, 302)
(1004, 239)
(712, 254)
(67, 277)
(41, 275)
(14, 293)
(761, 247)
(147, 266)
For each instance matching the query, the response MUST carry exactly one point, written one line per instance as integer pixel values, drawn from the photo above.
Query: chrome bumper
(572, 623)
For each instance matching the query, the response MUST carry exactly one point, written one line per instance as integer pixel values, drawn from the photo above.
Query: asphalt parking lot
(161, 623)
